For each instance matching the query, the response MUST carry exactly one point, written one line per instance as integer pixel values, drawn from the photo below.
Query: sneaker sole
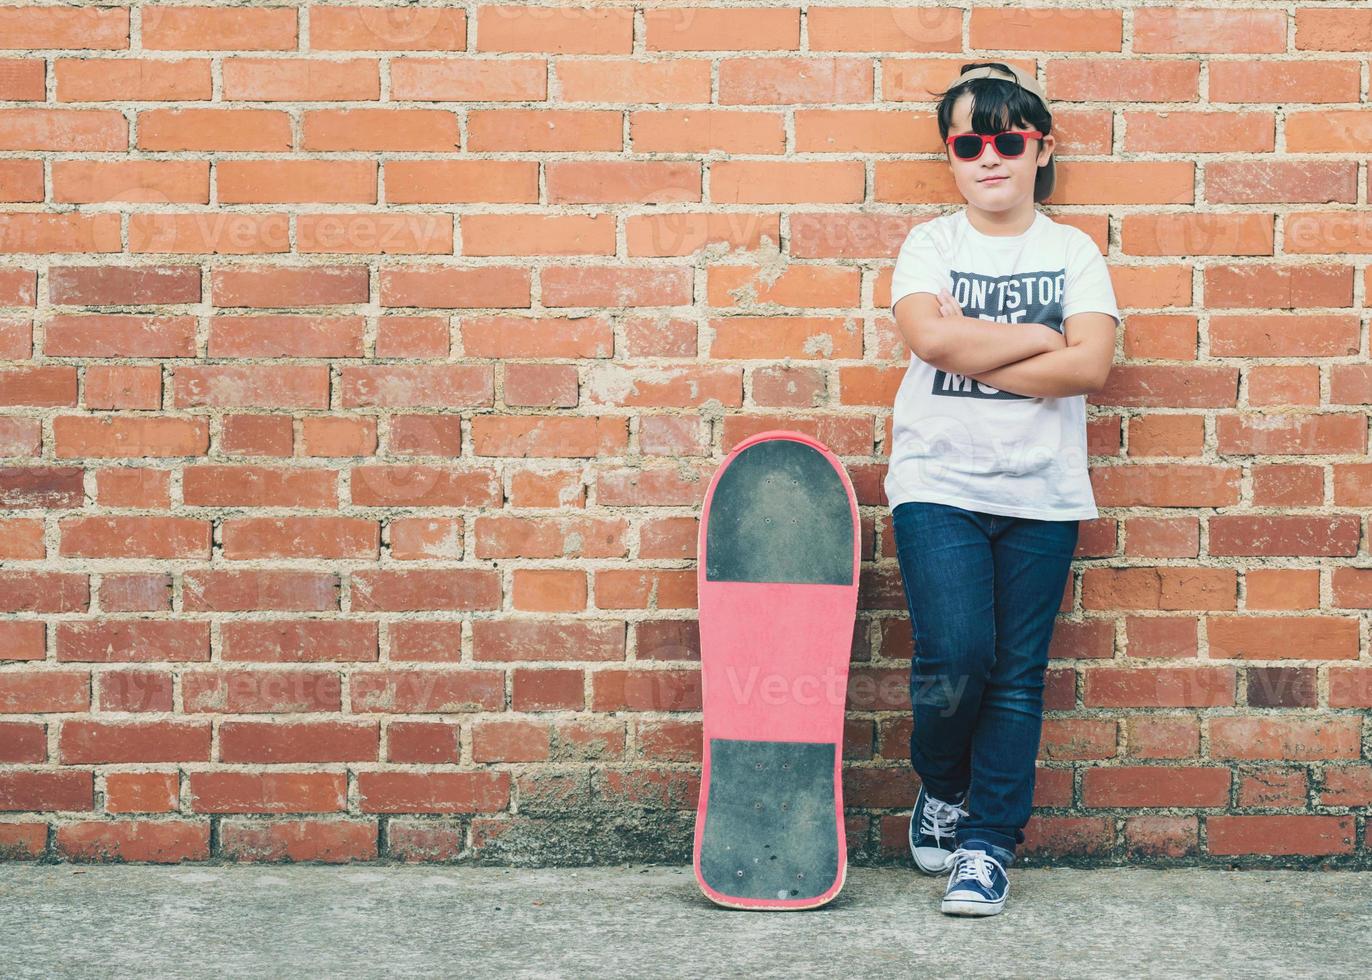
(925, 863)
(973, 906)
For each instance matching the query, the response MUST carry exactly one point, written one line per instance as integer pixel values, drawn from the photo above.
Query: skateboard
(777, 577)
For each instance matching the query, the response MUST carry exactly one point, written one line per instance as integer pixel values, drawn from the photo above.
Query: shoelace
(939, 819)
(975, 864)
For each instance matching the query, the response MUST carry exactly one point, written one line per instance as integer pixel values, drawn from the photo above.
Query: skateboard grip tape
(770, 822)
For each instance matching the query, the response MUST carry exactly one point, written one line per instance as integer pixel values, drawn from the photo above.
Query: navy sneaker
(978, 884)
(933, 830)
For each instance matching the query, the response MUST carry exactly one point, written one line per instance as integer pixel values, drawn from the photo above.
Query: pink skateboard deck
(777, 577)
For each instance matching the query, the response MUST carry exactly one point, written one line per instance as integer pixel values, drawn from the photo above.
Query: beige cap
(1048, 175)
(1020, 77)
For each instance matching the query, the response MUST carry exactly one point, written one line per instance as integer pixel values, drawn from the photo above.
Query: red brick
(44, 592)
(113, 436)
(59, 131)
(422, 741)
(273, 792)
(1309, 834)
(426, 435)
(420, 538)
(160, 841)
(555, 386)
(251, 386)
(39, 691)
(1335, 737)
(424, 640)
(298, 181)
(137, 285)
(456, 288)
(1163, 687)
(423, 841)
(200, 28)
(424, 486)
(300, 537)
(20, 436)
(327, 841)
(510, 741)
(250, 691)
(284, 336)
(672, 741)
(135, 690)
(134, 487)
(23, 79)
(16, 334)
(128, 641)
(209, 129)
(412, 385)
(258, 435)
(38, 387)
(135, 537)
(433, 792)
(22, 540)
(141, 792)
(217, 590)
(548, 689)
(383, 590)
(136, 741)
(1054, 835)
(451, 181)
(46, 789)
(1129, 786)
(523, 537)
(1149, 836)
(300, 641)
(423, 691)
(553, 640)
(45, 487)
(338, 437)
(21, 640)
(627, 689)
(125, 386)
(23, 741)
(351, 29)
(412, 336)
(379, 129)
(258, 486)
(306, 741)
(19, 287)
(289, 288)
(21, 841)
(139, 592)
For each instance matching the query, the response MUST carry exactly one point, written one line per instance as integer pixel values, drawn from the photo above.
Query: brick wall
(364, 368)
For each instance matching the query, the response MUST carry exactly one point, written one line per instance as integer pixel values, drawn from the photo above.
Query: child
(1010, 318)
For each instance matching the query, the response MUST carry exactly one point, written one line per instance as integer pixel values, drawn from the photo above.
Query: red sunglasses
(1009, 143)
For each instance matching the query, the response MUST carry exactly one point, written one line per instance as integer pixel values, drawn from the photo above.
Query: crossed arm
(1027, 359)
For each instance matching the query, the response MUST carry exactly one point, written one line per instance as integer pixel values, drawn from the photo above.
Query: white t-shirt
(957, 441)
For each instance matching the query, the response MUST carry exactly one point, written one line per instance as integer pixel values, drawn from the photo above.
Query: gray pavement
(637, 921)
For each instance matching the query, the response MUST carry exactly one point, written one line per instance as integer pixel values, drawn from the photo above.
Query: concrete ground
(634, 921)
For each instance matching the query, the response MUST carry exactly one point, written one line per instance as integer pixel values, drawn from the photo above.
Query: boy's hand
(948, 307)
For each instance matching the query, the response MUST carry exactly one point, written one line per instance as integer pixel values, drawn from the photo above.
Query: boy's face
(975, 178)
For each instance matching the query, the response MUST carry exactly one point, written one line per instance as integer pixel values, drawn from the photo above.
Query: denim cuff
(1004, 855)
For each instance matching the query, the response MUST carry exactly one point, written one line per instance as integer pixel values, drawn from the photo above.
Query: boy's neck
(1012, 221)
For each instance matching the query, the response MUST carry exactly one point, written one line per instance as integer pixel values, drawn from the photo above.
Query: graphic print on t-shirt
(1027, 297)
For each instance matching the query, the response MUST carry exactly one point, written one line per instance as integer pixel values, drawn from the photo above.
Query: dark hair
(997, 104)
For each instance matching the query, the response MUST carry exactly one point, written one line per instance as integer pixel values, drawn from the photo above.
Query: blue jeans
(983, 592)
